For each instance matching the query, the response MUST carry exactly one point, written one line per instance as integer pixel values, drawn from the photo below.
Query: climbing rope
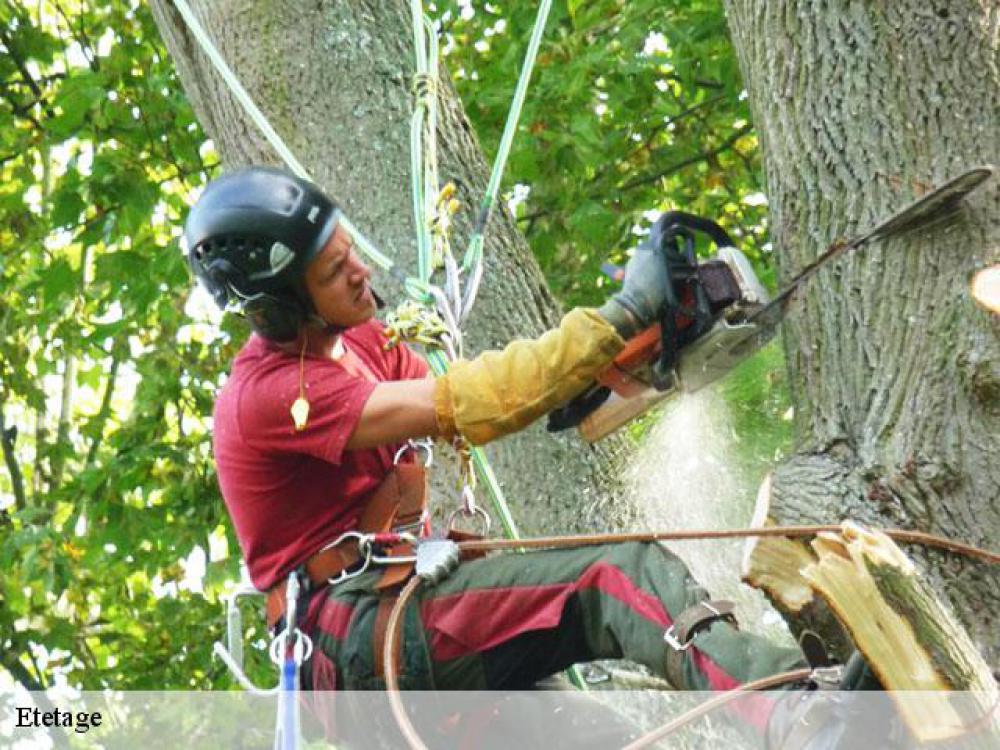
(583, 540)
(391, 648)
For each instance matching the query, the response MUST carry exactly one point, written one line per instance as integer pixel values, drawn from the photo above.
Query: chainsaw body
(717, 313)
(703, 332)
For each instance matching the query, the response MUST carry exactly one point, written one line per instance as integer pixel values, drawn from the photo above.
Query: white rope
(234, 85)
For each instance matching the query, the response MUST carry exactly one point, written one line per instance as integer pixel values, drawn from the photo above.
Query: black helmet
(250, 237)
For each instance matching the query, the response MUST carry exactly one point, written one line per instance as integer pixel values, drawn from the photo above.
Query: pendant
(300, 413)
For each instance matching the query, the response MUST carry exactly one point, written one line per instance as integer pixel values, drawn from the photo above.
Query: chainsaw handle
(694, 223)
(674, 227)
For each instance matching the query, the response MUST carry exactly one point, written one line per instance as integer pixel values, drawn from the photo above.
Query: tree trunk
(334, 80)
(860, 107)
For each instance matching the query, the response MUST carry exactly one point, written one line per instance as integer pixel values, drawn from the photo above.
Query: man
(293, 484)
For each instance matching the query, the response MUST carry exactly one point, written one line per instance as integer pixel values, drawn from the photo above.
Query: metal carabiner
(423, 443)
(364, 549)
(362, 540)
(394, 537)
(301, 650)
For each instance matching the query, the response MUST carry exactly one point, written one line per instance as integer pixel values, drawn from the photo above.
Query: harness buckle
(672, 641)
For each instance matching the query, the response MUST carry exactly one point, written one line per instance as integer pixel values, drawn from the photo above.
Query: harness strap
(397, 504)
(686, 626)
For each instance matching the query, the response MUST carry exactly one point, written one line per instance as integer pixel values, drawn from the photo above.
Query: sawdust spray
(685, 476)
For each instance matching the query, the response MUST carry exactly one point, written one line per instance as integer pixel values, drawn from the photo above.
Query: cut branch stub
(910, 639)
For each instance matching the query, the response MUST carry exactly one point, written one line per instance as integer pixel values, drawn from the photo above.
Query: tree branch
(41, 433)
(68, 385)
(648, 143)
(20, 672)
(16, 111)
(704, 156)
(23, 70)
(8, 438)
(104, 412)
(82, 39)
(10, 662)
(700, 82)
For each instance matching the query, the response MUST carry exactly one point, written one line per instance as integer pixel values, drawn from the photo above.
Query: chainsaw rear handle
(694, 223)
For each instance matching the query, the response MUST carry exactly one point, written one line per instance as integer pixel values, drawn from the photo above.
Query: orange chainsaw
(717, 314)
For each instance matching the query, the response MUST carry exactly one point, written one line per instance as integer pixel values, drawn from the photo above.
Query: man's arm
(498, 393)
(395, 411)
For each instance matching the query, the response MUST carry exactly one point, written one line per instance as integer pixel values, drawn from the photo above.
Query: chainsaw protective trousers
(505, 622)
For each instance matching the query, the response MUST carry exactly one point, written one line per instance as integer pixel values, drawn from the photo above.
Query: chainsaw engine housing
(702, 334)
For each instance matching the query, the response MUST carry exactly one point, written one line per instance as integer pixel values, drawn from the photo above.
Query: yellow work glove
(498, 393)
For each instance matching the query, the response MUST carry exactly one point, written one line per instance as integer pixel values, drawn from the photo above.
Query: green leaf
(59, 280)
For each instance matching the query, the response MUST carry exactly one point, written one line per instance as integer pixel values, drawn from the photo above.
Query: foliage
(635, 107)
(106, 380)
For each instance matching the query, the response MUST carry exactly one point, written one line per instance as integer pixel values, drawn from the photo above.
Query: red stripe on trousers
(329, 616)
(473, 621)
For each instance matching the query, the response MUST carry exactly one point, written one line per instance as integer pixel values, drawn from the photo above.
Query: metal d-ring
(469, 512)
(425, 444)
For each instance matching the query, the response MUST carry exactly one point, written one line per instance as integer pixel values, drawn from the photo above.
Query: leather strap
(686, 626)
(319, 568)
(399, 504)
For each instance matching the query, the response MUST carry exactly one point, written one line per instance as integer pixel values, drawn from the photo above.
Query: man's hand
(638, 304)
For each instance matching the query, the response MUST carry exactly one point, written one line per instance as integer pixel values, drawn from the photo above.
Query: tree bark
(334, 80)
(860, 107)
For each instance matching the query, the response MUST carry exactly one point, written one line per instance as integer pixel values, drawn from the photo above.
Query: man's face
(337, 282)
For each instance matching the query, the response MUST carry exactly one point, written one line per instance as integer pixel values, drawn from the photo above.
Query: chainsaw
(717, 313)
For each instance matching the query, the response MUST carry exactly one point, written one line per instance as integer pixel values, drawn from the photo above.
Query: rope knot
(414, 323)
(424, 87)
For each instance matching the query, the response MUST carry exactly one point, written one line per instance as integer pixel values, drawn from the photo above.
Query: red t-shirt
(290, 492)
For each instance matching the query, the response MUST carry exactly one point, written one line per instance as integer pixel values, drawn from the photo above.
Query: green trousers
(506, 621)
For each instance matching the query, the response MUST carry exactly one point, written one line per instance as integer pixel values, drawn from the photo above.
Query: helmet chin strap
(316, 321)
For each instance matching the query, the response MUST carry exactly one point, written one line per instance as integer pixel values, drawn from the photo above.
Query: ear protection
(273, 317)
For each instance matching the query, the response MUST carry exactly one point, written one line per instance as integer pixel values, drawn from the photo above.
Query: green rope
(474, 253)
(472, 261)
(424, 186)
